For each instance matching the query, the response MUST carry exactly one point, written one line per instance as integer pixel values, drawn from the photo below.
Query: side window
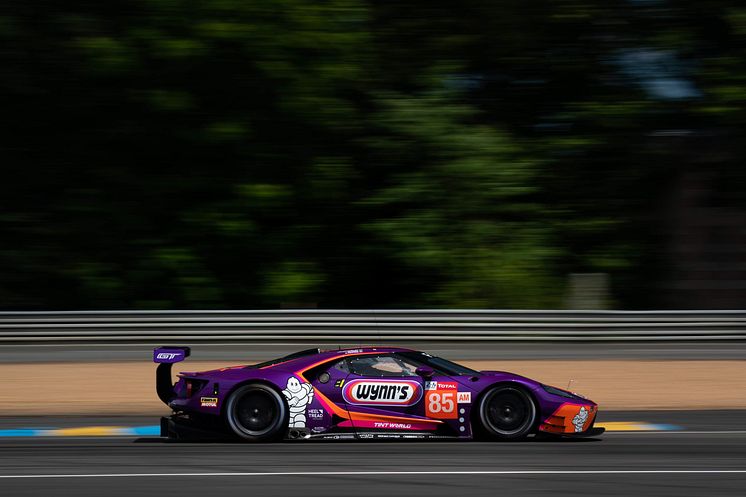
(315, 372)
(383, 366)
(342, 366)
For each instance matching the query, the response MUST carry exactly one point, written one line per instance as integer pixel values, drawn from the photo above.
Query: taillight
(193, 386)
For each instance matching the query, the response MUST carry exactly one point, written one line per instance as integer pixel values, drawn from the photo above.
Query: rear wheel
(256, 413)
(507, 413)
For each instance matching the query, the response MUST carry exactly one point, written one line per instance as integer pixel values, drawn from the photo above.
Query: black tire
(257, 413)
(507, 413)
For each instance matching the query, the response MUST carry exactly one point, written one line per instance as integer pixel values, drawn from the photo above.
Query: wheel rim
(508, 411)
(256, 412)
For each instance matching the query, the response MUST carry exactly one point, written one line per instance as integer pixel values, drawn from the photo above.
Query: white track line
(396, 473)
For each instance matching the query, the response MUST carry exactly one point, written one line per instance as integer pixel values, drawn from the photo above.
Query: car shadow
(565, 440)
(164, 440)
(533, 440)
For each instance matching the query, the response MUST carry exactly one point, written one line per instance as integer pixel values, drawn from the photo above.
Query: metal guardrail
(367, 325)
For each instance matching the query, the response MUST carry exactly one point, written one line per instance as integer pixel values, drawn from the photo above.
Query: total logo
(440, 385)
(382, 392)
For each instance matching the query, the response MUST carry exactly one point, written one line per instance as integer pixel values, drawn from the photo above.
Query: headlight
(557, 391)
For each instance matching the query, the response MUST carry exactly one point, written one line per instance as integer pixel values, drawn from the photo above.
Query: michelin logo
(579, 420)
(299, 395)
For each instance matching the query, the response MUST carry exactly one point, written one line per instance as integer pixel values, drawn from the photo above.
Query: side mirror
(425, 371)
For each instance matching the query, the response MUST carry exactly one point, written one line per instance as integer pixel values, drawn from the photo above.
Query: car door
(384, 394)
(448, 392)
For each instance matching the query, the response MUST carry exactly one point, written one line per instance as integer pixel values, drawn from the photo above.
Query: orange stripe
(364, 416)
(342, 413)
(277, 363)
(563, 416)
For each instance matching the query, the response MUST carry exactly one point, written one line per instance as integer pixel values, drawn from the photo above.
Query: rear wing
(170, 355)
(166, 357)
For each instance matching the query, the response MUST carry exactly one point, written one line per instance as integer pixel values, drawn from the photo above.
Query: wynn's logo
(382, 392)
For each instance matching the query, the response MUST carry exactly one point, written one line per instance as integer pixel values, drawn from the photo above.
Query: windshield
(439, 364)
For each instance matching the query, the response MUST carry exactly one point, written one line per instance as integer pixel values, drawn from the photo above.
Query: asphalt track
(248, 352)
(706, 458)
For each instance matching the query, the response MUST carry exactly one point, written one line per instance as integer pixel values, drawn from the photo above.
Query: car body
(363, 393)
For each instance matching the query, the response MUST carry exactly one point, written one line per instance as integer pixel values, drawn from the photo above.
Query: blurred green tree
(348, 153)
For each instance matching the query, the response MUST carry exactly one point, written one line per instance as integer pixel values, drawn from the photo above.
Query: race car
(363, 393)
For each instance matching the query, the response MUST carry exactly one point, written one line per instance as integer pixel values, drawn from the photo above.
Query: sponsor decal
(441, 403)
(389, 425)
(440, 385)
(316, 413)
(382, 392)
(579, 420)
(464, 397)
(388, 435)
(299, 396)
(339, 383)
(353, 351)
(392, 426)
(208, 402)
(339, 436)
(166, 355)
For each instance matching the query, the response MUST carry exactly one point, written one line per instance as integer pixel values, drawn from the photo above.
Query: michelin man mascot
(299, 395)
(579, 419)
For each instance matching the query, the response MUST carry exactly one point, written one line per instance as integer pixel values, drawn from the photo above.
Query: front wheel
(507, 413)
(256, 413)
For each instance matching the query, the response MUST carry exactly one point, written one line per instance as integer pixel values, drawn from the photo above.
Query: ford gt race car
(363, 393)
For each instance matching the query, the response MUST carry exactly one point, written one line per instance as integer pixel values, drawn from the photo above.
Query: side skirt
(381, 436)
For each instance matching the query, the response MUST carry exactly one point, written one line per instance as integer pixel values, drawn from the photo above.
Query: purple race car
(363, 393)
